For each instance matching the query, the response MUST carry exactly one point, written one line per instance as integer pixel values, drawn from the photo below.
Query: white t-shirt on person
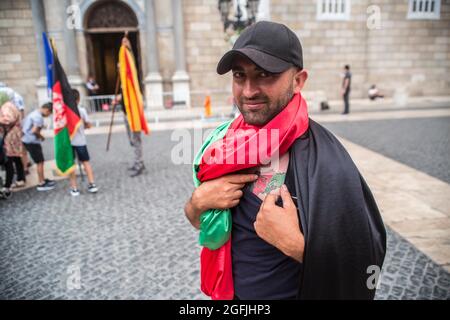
(79, 139)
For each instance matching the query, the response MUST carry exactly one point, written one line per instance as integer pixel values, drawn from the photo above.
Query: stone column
(61, 27)
(72, 67)
(153, 79)
(38, 14)
(180, 79)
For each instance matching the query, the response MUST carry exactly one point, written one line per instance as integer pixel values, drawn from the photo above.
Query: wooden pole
(114, 103)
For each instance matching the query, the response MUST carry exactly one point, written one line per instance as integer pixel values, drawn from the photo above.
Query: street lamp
(224, 8)
(238, 23)
(252, 10)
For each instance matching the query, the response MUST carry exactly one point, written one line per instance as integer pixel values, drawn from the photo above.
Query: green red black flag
(66, 118)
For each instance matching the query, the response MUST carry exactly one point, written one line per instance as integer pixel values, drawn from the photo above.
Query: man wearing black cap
(305, 224)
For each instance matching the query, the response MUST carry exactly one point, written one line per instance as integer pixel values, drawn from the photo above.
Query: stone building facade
(177, 44)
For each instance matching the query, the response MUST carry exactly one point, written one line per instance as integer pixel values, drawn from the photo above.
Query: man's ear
(299, 79)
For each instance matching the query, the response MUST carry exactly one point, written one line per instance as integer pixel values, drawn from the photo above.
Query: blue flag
(48, 63)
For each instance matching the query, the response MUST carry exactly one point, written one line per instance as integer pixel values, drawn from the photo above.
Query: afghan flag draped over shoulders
(231, 148)
(131, 92)
(66, 118)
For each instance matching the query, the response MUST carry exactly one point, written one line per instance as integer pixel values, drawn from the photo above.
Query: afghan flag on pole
(66, 118)
(131, 92)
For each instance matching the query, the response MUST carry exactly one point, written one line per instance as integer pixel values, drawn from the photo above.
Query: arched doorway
(105, 24)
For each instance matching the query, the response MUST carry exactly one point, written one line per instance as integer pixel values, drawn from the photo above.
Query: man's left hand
(279, 226)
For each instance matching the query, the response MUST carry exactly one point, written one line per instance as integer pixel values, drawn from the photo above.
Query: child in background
(32, 140)
(81, 151)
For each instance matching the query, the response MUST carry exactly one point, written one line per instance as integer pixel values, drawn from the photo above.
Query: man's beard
(272, 108)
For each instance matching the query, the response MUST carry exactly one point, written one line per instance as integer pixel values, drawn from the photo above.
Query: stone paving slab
(402, 196)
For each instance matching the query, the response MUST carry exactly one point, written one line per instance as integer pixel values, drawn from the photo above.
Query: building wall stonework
(402, 56)
(410, 55)
(165, 42)
(19, 67)
(327, 45)
(205, 44)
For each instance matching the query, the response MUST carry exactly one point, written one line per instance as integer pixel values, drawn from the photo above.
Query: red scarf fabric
(244, 146)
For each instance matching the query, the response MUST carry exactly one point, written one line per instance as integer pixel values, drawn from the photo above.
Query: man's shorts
(81, 152)
(35, 151)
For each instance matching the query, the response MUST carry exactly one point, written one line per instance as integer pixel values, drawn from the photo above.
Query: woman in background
(12, 132)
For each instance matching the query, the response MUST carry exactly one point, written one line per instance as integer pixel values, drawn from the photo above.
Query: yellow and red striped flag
(131, 92)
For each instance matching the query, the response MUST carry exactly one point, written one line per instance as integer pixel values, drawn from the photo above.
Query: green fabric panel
(215, 225)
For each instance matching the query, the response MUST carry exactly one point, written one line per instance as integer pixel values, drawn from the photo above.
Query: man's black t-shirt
(261, 271)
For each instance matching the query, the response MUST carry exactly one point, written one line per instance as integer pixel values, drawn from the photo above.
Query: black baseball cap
(271, 46)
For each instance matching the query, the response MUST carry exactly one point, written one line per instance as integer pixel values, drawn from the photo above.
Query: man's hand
(117, 99)
(87, 125)
(37, 133)
(279, 226)
(221, 193)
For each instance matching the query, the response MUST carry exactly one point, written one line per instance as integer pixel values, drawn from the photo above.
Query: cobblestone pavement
(131, 240)
(423, 144)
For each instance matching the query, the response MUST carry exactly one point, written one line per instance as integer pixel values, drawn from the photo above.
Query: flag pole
(116, 92)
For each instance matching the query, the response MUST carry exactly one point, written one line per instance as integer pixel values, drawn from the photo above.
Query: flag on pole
(48, 63)
(131, 92)
(66, 117)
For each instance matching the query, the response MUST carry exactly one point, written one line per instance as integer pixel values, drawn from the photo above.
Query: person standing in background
(133, 105)
(79, 145)
(92, 86)
(32, 140)
(346, 85)
(17, 100)
(13, 147)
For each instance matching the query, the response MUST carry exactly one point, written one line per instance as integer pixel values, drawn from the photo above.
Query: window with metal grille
(333, 9)
(424, 9)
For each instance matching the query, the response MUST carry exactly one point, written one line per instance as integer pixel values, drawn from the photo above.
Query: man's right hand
(221, 193)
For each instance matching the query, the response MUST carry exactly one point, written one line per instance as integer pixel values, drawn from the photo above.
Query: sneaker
(50, 182)
(5, 194)
(18, 184)
(74, 192)
(92, 188)
(136, 167)
(138, 171)
(46, 186)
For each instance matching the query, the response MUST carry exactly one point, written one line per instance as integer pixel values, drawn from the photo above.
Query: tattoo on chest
(271, 176)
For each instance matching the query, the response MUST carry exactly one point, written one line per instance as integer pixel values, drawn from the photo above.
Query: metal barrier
(98, 103)
(103, 103)
(197, 99)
